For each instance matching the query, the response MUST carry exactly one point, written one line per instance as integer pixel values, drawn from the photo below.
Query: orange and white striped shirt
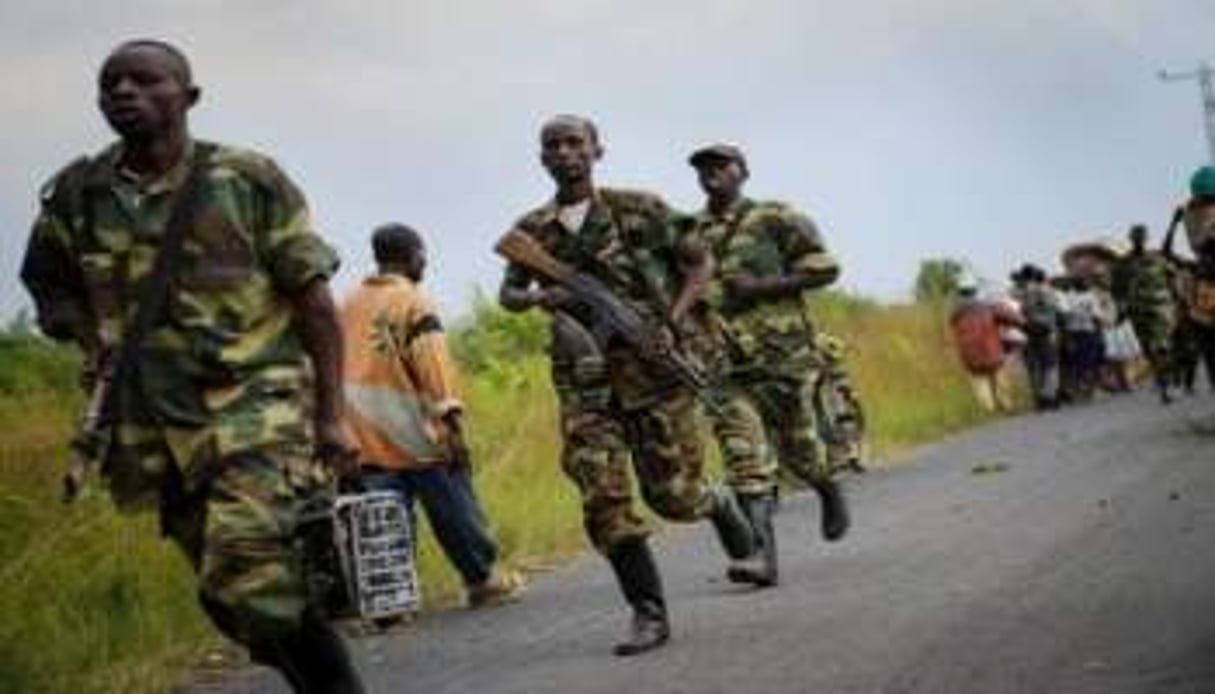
(400, 380)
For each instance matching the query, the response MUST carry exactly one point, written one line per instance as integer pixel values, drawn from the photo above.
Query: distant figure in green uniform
(1143, 288)
(209, 425)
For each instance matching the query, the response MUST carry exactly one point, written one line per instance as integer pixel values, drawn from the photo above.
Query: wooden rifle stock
(619, 318)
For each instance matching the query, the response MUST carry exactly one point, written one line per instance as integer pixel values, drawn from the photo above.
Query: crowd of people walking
(1118, 311)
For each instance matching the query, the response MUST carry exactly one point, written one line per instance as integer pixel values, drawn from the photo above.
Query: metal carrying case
(374, 537)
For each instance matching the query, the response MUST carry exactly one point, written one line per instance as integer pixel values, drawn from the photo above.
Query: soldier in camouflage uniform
(616, 412)
(1143, 288)
(767, 255)
(210, 427)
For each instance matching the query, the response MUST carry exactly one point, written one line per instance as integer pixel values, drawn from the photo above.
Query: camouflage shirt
(223, 369)
(1143, 283)
(627, 242)
(760, 239)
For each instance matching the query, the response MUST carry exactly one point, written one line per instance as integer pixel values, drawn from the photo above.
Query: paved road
(1064, 553)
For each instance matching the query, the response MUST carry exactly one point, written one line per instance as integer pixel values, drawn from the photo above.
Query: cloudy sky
(989, 131)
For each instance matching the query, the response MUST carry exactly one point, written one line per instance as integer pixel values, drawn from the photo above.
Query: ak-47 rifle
(613, 317)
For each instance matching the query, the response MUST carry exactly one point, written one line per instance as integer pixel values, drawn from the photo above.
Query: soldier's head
(721, 169)
(569, 148)
(399, 250)
(1138, 236)
(1027, 274)
(145, 88)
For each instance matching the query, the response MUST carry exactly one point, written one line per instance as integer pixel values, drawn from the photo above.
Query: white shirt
(573, 216)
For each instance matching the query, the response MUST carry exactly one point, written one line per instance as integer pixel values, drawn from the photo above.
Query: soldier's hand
(656, 343)
(334, 449)
(457, 449)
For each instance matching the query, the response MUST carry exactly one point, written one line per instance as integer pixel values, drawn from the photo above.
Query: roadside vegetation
(92, 601)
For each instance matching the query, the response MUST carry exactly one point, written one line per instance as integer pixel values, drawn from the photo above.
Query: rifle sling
(744, 208)
(154, 290)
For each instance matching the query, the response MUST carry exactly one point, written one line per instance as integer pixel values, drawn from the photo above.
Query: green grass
(93, 601)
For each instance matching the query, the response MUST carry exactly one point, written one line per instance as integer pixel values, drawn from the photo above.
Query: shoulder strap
(744, 208)
(154, 290)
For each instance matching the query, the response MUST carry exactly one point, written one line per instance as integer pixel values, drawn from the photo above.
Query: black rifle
(613, 317)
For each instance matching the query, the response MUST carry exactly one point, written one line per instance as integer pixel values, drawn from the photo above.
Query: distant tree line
(938, 279)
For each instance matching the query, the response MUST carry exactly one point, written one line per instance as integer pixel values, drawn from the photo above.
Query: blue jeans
(452, 509)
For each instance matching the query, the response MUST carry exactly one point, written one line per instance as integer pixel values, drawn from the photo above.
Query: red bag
(977, 335)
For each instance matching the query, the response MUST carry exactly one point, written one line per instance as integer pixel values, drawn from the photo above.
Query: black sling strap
(154, 292)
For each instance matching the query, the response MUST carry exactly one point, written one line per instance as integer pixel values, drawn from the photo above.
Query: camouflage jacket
(627, 242)
(223, 369)
(761, 239)
(1144, 284)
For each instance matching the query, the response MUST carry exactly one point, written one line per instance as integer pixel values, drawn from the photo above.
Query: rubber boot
(760, 568)
(732, 526)
(637, 573)
(835, 517)
(315, 660)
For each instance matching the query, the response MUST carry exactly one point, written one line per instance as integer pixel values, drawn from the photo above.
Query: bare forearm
(316, 315)
(695, 287)
(785, 285)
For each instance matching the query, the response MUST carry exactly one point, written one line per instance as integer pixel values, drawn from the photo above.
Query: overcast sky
(993, 132)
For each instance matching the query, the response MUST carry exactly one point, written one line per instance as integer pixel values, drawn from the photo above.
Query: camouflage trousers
(786, 402)
(1154, 330)
(747, 458)
(238, 528)
(602, 443)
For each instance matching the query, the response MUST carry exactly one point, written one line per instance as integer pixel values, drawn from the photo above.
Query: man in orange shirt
(404, 414)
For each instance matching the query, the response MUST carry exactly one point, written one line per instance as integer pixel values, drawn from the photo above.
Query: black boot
(315, 661)
(835, 519)
(732, 526)
(637, 573)
(760, 568)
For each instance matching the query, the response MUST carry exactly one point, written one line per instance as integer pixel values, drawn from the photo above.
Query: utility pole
(1204, 74)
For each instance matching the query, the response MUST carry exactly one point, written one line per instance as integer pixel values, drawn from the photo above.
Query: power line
(1204, 74)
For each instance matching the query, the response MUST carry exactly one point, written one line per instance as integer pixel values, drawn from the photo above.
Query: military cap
(718, 151)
